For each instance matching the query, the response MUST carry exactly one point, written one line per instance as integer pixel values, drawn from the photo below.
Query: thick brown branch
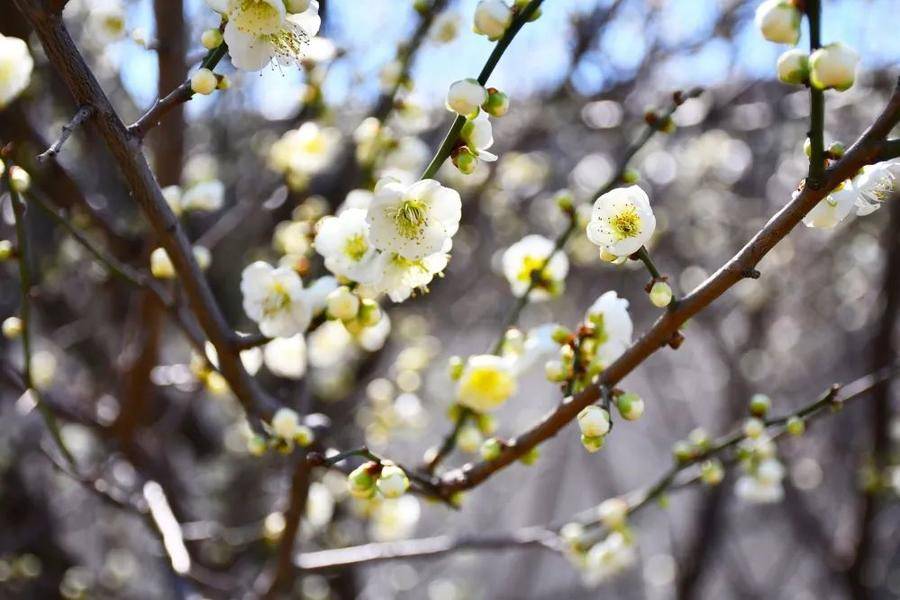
(85, 90)
(863, 152)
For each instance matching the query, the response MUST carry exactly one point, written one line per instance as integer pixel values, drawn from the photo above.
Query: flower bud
(224, 83)
(296, 6)
(392, 483)
(204, 82)
(593, 421)
(19, 179)
(564, 201)
(491, 449)
(630, 405)
(12, 328)
(362, 481)
(779, 21)
(304, 436)
(630, 176)
(211, 38)
(835, 150)
(712, 472)
(793, 67)
(342, 304)
(421, 6)
(699, 438)
(795, 426)
(492, 18)
(760, 405)
(530, 457)
(807, 147)
(486, 423)
(833, 67)
(6, 250)
(160, 265)
(554, 371)
(285, 423)
(753, 428)
(256, 445)
(202, 256)
(455, 367)
(369, 312)
(469, 439)
(613, 512)
(682, 451)
(660, 294)
(465, 160)
(466, 96)
(592, 443)
(497, 103)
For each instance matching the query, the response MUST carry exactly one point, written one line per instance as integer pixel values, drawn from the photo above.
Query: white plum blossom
(466, 96)
(276, 300)
(875, 185)
(413, 221)
(622, 221)
(478, 135)
(779, 21)
(286, 357)
(834, 208)
(445, 27)
(16, 65)
(523, 260)
(392, 482)
(258, 30)
(608, 558)
(609, 314)
(305, 151)
(343, 241)
(833, 67)
(204, 196)
(487, 381)
(401, 276)
(492, 18)
(106, 20)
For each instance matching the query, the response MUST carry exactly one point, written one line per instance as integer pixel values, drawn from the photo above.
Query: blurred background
(580, 80)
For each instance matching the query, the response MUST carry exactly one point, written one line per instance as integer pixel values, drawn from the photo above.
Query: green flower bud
(712, 472)
(561, 334)
(630, 406)
(486, 423)
(592, 443)
(465, 160)
(362, 480)
(631, 176)
(455, 367)
(369, 312)
(836, 150)
(6, 250)
(660, 294)
(491, 448)
(211, 38)
(760, 405)
(303, 436)
(497, 103)
(530, 457)
(796, 426)
(392, 482)
(257, 445)
(682, 451)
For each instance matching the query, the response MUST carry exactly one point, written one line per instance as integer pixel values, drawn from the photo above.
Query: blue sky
(537, 58)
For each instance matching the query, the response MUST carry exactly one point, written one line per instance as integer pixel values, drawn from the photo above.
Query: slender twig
(84, 113)
(446, 147)
(126, 273)
(179, 95)
(24, 256)
(546, 536)
(866, 150)
(426, 548)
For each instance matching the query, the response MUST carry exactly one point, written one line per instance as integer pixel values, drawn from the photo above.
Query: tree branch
(863, 152)
(84, 113)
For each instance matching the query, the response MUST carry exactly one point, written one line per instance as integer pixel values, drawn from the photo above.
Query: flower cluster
(468, 98)
(259, 30)
(382, 477)
(396, 242)
(533, 265)
(599, 561)
(284, 430)
(832, 66)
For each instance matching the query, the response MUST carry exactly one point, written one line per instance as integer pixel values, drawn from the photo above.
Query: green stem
(644, 256)
(24, 254)
(449, 143)
(816, 103)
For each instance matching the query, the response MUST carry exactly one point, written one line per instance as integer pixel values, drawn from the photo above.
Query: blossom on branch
(15, 68)
(622, 221)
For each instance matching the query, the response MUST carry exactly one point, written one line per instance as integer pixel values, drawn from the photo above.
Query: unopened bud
(630, 405)
(204, 82)
(465, 160)
(491, 449)
(660, 294)
(760, 405)
(211, 38)
(497, 103)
